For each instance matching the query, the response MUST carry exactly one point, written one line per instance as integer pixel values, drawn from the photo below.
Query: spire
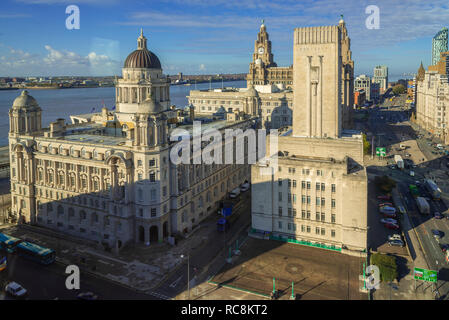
(141, 41)
(421, 73)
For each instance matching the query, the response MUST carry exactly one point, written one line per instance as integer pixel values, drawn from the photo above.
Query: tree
(399, 89)
(387, 266)
(384, 183)
(366, 145)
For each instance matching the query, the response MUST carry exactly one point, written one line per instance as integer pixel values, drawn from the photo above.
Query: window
(289, 226)
(152, 176)
(317, 216)
(289, 198)
(317, 230)
(49, 207)
(308, 229)
(303, 184)
(317, 186)
(139, 176)
(280, 224)
(153, 212)
(280, 182)
(294, 198)
(280, 211)
(303, 228)
(317, 201)
(303, 199)
(308, 214)
(333, 188)
(303, 214)
(294, 183)
(323, 202)
(333, 203)
(280, 196)
(308, 185)
(152, 162)
(323, 217)
(289, 183)
(333, 218)
(333, 233)
(323, 231)
(323, 187)
(294, 212)
(308, 199)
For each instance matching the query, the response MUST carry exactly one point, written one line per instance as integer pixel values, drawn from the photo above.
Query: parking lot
(316, 273)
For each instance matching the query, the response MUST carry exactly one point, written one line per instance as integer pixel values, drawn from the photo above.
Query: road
(201, 261)
(48, 282)
(391, 127)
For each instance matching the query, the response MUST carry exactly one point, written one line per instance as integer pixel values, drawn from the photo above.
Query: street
(390, 127)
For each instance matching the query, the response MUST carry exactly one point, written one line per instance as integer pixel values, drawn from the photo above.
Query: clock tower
(262, 49)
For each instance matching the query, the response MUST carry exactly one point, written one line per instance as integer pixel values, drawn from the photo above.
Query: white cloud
(57, 62)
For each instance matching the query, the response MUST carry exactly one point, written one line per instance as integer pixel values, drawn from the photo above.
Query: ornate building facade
(262, 69)
(316, 191)
(108, 178)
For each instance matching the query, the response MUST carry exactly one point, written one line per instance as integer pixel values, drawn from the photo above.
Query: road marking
(175, 283)
(159, 295)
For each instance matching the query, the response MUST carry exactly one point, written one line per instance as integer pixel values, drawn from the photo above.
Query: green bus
(414, 190)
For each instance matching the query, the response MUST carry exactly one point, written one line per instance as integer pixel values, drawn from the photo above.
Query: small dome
(25, 101)
(142, 58)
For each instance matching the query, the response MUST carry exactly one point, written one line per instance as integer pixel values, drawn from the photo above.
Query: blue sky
(205, 36)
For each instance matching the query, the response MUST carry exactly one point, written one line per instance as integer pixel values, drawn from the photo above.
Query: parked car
(391, 226)
(16, 290)
(244, 187)
(437, 234)
(395, 236)
(385, 204)
(388, 220)
(87, 296)
(444, 247)
(396, 243)
(438, 215)
(389, 215)
(384, 197)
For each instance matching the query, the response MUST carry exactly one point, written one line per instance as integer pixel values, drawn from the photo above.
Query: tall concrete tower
(317, 82)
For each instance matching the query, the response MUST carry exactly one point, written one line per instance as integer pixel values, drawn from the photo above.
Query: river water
(61, 103)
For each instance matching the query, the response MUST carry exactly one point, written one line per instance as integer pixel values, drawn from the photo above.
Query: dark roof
(142, 58)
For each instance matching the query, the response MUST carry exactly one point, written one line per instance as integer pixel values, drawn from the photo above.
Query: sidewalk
(140, 267)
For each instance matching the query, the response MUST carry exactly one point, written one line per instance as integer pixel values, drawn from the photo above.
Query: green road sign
(381, 151)
(425, 275)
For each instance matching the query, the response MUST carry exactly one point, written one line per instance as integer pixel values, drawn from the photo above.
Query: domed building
(107, 177)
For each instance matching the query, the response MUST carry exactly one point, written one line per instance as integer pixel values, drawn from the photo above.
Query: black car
(444, 247)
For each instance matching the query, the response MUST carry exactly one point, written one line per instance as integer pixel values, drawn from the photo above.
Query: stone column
(320, 99)
(308, 99)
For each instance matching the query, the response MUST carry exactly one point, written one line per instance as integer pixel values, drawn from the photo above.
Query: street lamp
(188, 274)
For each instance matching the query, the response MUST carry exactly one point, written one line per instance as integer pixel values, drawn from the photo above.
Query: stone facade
(314, 189)
(432, 104)
(262, 69)
(108, 178)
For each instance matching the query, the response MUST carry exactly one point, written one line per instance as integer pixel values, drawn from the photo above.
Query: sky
(206, 36)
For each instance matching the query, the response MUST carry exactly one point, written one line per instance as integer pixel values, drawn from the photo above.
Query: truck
(413, 190)
(433, 189)
(402, 146)
(423, 205)
(399, 161)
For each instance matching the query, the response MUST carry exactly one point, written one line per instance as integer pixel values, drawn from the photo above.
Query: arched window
(200, 202)
(71, 151)
(83, 152)
(60, 149)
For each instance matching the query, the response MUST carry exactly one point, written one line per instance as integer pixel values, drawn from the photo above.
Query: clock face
(261, 50)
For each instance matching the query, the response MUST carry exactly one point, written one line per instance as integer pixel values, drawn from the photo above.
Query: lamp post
(188, 275)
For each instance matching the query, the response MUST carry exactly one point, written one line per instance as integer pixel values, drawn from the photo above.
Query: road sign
(425, 275)
(381, 151)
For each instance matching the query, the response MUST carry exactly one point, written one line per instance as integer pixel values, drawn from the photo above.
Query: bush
(387, 266)
(398, 89)
(366, 145)
(384, 183)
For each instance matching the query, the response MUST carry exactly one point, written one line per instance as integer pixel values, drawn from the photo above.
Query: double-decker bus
(8, 243)
(36, 253)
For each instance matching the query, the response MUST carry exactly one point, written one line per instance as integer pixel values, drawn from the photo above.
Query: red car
(391, 226)
(384, 197)
(385, 204)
